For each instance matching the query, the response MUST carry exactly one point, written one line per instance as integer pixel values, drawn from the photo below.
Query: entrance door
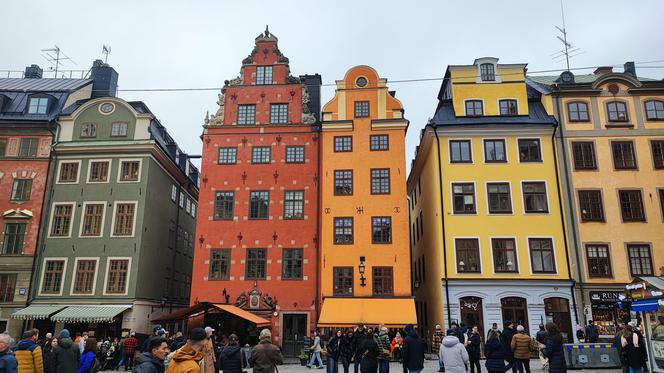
(295, 329)
(516, 310)
(471, 313)
(557, 311)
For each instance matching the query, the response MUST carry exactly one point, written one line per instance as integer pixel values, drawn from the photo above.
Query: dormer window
(617, 111)
(487, 72)
(264, 75)
(508, 107)
(474, 108)
(38, 105)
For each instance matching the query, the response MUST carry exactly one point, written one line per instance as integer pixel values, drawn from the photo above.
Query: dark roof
(42, 85)
(17, 92)
(578, 79)
(536, 115)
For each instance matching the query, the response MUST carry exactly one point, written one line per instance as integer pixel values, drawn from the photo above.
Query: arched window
(655, 110)
(487, 72)
(617, 111)
(578, 112)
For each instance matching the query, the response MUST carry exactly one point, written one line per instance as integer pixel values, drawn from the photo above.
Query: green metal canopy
(89, 313)
(36, 312)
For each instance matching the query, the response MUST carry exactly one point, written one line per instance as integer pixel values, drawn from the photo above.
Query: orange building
(365, 256)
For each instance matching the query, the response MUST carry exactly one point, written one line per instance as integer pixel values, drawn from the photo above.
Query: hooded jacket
(495, 356)
(29, 357)
(230, 359)
(185, 360)
(383, 342)
(66, 356)
(554, 351)
(506, 340)
(454, 355)
(147, 363)
(521, 346)
(413, 351)
(8, 362)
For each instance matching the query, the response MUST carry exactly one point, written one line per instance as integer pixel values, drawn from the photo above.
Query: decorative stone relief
(218, 118)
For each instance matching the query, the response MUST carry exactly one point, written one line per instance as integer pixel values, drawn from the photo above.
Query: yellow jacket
(29, 357)
(185, 360)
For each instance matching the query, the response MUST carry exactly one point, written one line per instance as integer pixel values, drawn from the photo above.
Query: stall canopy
(348, 312)
(36, 312)
(212, 307)
(650, 305)
(90, 313)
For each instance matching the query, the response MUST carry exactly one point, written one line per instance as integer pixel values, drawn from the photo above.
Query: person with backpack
(89, 362)
(634, 348)
(230, 358)
(66, 354)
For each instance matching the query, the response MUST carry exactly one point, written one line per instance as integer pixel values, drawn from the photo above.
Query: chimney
(104, 80)
(603, 70)
(33, 72)
(630, 68)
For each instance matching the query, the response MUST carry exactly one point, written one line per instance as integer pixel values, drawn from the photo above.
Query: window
(53, 276)
(295, 154)
(259, 203)
(617, 111)
(7, 287)
(119, 129)
(61, 220)
(487, 72)
(504, 255)
(38, 105)
(463, 196)
(640, 262)
(534, 197)
(578, 112)
(260, 154)
(21, 189)
(494, 151)
(343, 231)
(246, 114)
(264, 75)
(98, 172)
(382, 280)
(278, 113)
(474, 108)
(68, 172)
(220, 264)
(3, 147)
(631, 205)
(623, 155)
(294, 205)
(343, 143)
(500, 200)
(227, 155)
(379, 142)
(599, 261)
(655, 110)
(14, 237)
(343, 182)
(657, 147)
(89, 130)
(256, 264)
(343, 281)
(188, 206)
(174, 193)
(584, 155)
(590, 204)
(541, 255)
(28, 147)
(118, 271)
(181, 201)
(460, 151)
(129, 170)
(93, 216)
(467, 255)
(380, 181)
(292, 262)
(508, 107)
(361, 109)
(381, 229)
(84, 276)
(124, 219)
(223, 205)
(529, 150)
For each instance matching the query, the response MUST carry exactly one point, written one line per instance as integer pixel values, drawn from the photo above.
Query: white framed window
(99, 171)
(52, 276)
(84, 276)
(129, 170)
(181, 203)
(535, 196)
(119, 129)
(69, 172)
(193, 210)
(61, 219)
(89, 130)
(124, 218)
(116, 279)
(188, 206)
(38, 105)
(174, 193)
(93, 217)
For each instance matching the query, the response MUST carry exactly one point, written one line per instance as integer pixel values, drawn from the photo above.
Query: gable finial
(267, 31)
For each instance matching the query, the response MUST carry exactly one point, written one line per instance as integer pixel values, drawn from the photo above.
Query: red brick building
(256, 239)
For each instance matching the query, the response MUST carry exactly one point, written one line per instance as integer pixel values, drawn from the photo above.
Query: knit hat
(450, 331)
(64, 333)
(408, 328)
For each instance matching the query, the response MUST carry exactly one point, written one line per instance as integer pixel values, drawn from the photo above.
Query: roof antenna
(55, 55)
(106, 50)
(569, 50)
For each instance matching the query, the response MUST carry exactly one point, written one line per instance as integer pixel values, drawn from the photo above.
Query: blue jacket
(555, 353)
(8, 362)
(86, 362)
(413, 351)
(495, 356)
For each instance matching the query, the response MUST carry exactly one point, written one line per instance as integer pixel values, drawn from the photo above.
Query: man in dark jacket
(153, 361)
(413, 350)
(473, 348)
(541, 334)
(66, 354)
(592, 334)
(265, 356)
(177, 342)
(506, 339)
(230, 358)
(7, 360)
(358, 337)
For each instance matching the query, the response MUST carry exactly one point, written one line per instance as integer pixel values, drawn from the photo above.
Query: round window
(361, 81)
(106, 107)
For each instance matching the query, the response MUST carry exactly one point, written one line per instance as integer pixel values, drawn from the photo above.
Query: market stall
(646, 295)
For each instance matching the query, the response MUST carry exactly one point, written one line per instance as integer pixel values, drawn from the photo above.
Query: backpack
(95, 366)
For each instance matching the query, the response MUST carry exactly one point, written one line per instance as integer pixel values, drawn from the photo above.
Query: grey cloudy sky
(157, 44)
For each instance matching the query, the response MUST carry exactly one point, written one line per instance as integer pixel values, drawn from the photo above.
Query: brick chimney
(33, 72)
(603, 70)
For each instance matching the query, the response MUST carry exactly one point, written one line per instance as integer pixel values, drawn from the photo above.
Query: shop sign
(637, 286)
(604, 297)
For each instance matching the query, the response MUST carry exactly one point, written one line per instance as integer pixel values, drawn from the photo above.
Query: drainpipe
(410, 248)
(318, 226)
(442, 226)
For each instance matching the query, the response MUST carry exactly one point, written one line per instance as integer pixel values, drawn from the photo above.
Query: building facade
(257, 241)
(365, 276)
(611, 141)
(486, 215)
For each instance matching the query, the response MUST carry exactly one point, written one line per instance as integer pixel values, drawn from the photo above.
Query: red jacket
(130, 345)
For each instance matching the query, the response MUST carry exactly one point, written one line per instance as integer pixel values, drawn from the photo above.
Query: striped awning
(90, 313)
(36, 312)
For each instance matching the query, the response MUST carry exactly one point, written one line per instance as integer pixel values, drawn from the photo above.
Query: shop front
(645, 296)
(604, 313)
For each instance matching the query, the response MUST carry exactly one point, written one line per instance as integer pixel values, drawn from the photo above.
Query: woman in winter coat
(395, 346)
(473, 348)
(367, 352)
(230, 358)
(333, 352)
(88, 357)
(553, 349)
(521, 343)
(453, 353)
(48, 354)
(345, 350)
(634, 349)
(494, 351)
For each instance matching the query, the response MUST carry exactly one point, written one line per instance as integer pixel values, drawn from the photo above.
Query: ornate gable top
(266, 36)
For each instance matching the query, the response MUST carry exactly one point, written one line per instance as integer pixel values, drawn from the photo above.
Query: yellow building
(364, 258)
(486, 222)
(611, 141)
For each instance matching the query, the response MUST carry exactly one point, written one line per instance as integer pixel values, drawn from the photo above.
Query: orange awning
(239, 312)
(198, 308)
(349, 312)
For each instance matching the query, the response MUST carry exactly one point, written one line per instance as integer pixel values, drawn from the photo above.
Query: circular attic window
(106, 108)
(361, 82)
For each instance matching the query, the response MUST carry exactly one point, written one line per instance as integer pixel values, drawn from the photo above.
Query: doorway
(557, 311)
(471, 313)
(295, 329)
(516, 310)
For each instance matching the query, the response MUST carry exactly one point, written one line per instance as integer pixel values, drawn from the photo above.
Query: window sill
(619, 125)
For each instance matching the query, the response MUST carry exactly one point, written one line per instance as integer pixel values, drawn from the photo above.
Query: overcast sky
(182, 44)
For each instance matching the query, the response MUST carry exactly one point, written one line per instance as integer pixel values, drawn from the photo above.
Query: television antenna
(569, 50)
(106, 50)
(55, 55)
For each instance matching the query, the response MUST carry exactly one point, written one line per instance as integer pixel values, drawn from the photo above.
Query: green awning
(89, 313)
(36, 312)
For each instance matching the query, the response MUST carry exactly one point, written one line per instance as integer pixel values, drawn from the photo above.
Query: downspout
(442, 226)
(410, 248)
(318, 226)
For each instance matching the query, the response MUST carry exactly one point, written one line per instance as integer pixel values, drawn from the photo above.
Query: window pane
(98, 172)
(379, 142)
(118, 270)
(124, 219)
(382, 281)
(467, 255)
(92, 219)
(460, 151)
(294, 154)
(534, 196)
(28, 147)
(487, 72)
(21, 190)
(624, 157)
(343, 230)
(7, 287)
(381, 228)
(129, 170)
(463, 195)
(85, 276)
(500, 201)
(294, 205)
(292, 264)
(504, 255)
(380, 181)
(541, 254)
(119, 130)
(52, 282)
(361, 109)
(246, 114)
(343, 281)
(259, 203)
(261, 154)
(584, 155)
(640, 261)
(343, 182)
(278, 113)
(658, 153)
(617, 111)
(599, 261)
(14, 238)
(68, 172)
(508, 107)
(494, 151)
(631, 205)
(264, 75)
(343, 144)
(220, 262)
(655, 110)
(256, 264)
(227, 155)
(529, 150)
(61, 222)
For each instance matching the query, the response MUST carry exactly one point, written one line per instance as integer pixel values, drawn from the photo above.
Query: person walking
(89, 363)
(358, 337)
(8, 362)
(265, 356)
(368, 353)
(66, 354)
(473, 348)
(413, 350)
(153, 361)
(553, 349)
(436, 340)
(209, 355)
(230, 358)
(345, 351)
(592, 334)
(28, 353)
(187, 358)
(453, 353)
(383, 342)
(494, 351)
(634, 349)
(506, 340)
(129, 350)
(315, 352)
(49, 355)
(521, 348)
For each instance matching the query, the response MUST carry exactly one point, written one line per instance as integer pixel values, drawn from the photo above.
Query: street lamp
(362, 268)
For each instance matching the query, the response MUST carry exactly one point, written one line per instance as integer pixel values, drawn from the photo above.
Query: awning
(649, 305)
(89, 313)
(213, 308)
(239, 312)
(36, 312)
(348, 312)
(180, 314)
